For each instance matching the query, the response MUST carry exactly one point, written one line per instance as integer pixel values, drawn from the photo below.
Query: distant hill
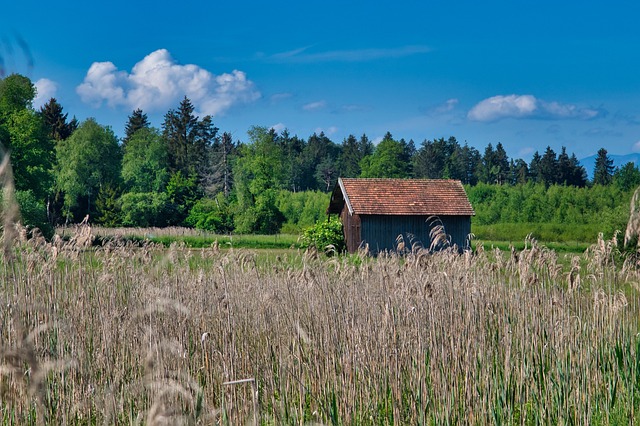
(618, 161)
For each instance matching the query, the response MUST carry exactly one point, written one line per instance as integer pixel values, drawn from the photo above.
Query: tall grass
(128, 335)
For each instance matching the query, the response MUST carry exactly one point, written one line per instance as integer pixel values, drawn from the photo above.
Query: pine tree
(137, 120)
(603, 171)
(501, 163)
(366, 146)
(578, 172)
(534, 168)
(519, 172)
(565, 171)
(350, 157)
(56, 122)
(549, 167)
(188, 140)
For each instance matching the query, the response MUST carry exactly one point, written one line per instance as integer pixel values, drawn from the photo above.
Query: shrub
(325, 234)
(146, 209)
(33, 213)
(211, 215)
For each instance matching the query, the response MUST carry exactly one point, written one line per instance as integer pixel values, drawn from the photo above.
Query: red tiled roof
(403, 197)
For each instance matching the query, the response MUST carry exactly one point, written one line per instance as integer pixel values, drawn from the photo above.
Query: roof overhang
(339, 198)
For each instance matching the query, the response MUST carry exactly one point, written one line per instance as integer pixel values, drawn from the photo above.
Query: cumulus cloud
(527, 106)
(636, 147)
(158, 82)
(46, 89)
(314, 106)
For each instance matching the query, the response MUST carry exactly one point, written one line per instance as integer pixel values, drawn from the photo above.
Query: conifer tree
(603, 171)
(137, 120)
(56, 122)
(188, 140)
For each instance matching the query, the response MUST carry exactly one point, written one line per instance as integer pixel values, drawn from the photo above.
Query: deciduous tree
(88, 160)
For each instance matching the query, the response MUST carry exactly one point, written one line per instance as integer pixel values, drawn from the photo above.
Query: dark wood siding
(351, 228)
(381, 232)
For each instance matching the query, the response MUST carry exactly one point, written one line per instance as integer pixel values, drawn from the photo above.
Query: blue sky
(524, 73)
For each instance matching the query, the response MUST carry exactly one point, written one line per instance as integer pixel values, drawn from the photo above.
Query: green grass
(544, 232)
(280, 241)
(559, 247)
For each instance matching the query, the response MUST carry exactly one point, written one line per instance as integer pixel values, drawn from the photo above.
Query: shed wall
(381, 231)
(351, 227)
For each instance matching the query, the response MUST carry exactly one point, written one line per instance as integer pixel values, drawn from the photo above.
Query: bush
(325, 234)
(211, 215)
(146, 209)
(34, 213)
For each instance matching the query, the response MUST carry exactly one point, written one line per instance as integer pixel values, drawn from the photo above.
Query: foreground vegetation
(129, 335)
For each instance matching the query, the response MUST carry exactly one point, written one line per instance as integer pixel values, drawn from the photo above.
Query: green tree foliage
(548, 168)
(446, 159)
(88, 160)
(24, 136)
(188, 141)
(146, 209)
(292, 146)
(33, 213)
(352, 153)
(211, 214)
(16, 94)
(603, 171)
(108, 206)
(495, 165)
(137, 120)
(627, 177)
(301, 209)
(145, 162)
(31, 150)
(607, 207)
(519, 172)
(260, 171)
(56, 122)
(327, 173)
(183, 194)
(319, 163)
(386, 161)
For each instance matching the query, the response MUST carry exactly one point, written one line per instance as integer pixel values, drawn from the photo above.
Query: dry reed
(129, 335)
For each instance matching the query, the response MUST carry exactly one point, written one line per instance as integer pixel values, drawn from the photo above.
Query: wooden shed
(375, 212)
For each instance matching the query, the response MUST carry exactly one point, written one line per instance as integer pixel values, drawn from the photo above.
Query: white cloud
(314, 106)
(279, 97)
(332, 130)
(360, 55)
(279, 127)
(448, 106)
(636, 147)
(158, 82)
(527, 106)
(355, 108)
(46, 89)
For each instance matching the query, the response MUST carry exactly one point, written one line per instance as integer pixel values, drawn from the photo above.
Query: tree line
(188, 172)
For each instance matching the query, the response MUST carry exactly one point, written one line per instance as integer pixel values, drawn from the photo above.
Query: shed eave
(345, 196)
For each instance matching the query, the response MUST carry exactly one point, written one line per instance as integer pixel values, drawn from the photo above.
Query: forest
(190, 173)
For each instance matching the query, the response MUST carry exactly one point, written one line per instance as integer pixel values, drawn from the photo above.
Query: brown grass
(128, 335)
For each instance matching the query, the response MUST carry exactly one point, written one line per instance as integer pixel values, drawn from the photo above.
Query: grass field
(129, 334)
